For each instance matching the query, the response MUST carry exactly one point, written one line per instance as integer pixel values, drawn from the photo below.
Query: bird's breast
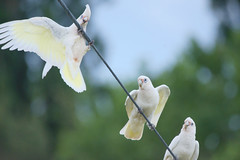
(186, 148)
(148, 101)
(148, 98)
(79, 46)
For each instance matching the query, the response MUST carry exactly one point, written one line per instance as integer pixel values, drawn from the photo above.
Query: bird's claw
(140, 110)
(151, 126)
(80, 31)
(89, 46)
(91, 43)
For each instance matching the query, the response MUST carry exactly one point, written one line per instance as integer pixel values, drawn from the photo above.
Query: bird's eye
(191, 124)
(85, 19)
(145, 80)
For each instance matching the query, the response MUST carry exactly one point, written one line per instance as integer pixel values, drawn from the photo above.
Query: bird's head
(144, 82)
(85, 17)
(189, 125)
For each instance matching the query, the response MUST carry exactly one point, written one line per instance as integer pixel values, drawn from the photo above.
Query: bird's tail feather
(132, 130)
(123, 130)
(72, 76)
(46, 68)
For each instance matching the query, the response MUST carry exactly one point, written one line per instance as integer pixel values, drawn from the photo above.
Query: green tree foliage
(45, 119)
(204, 86)
(227, 12)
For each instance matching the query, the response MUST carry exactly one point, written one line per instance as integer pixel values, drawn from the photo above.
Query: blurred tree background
(45, 119)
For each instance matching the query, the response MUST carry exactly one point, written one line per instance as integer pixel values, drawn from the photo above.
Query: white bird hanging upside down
(58, 46)
(184, 146)
(151, 101)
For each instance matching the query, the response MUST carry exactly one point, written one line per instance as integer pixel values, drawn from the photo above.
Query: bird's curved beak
(186, 124)
(140, 82)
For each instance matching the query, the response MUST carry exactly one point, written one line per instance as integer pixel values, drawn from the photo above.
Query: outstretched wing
(129, 104)
(164, 93)
(39, 34)
(172, 146)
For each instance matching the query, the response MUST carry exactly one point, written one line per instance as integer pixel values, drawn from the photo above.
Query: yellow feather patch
(39, 39)
(134, 131)
(76, 82)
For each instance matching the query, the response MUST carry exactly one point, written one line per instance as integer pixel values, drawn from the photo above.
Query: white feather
(46, 68)
(4, 40)
(164, 93)
(184, 146)
(3, 30)
(5, 34)
(19, 45)
(147, 98)
(3, 25)
(8, 45)
(13, 47)
(52, 42)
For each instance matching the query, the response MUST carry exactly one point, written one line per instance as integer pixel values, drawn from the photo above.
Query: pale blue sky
(155, 32)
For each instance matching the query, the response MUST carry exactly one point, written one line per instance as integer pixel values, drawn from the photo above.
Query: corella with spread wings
(58, 46)
(184, 146)
(151, 101)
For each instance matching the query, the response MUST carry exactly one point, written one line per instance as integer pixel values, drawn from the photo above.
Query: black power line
(90, 42)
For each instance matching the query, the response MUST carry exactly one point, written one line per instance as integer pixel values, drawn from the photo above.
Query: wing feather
(13, 47)
(3, 30)
(6, 39)
(8, 44)
(196, 151)
(3, 25)
(39, 35)
(172, 145)
(164, 93)
(4, 34)
(129, 104)
(76, 82)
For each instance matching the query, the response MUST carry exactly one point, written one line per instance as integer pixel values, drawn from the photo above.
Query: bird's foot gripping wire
(89, 46)
(151, 126)
(140, 111)
(91, 43)
(80, 31)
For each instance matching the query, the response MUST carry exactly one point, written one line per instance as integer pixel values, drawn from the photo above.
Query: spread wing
(164, 93)
(196, 151)
(172, 146)
(39, 34)
(129, 104)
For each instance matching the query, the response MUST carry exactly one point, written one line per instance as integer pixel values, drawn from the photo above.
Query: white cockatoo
(58, 46)
(151, 101)
(184, 146)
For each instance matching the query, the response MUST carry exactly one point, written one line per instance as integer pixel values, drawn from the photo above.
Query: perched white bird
(151, 101)
(59, 46)
(184, 146)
